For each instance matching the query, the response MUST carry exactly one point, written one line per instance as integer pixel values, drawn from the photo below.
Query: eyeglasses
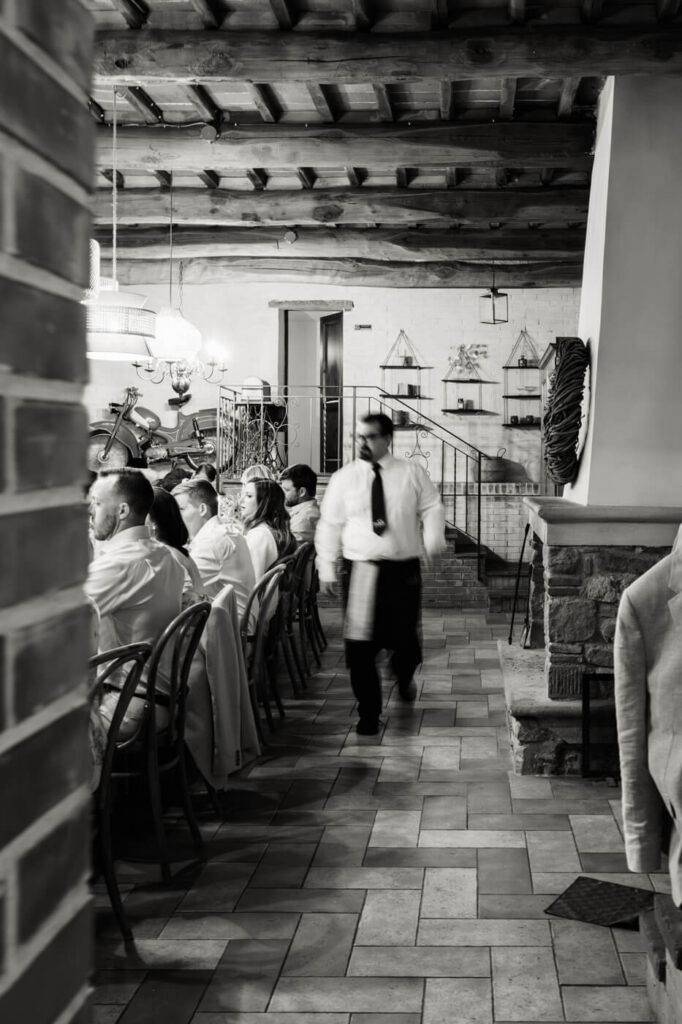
(368, 437)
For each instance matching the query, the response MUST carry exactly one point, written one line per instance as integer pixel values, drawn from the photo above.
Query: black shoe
(367, 727)
(408, 691)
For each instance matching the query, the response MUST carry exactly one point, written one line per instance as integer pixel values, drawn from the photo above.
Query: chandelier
(176, 343)
(118, 327)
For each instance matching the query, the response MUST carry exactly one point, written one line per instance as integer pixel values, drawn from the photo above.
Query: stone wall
(45, 178)
(574, 602)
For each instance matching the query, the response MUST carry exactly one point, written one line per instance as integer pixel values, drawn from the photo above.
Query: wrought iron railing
(280, 426)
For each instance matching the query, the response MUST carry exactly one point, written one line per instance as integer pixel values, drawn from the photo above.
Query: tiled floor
(387, 880)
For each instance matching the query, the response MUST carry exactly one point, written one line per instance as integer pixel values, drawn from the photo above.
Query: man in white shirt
(299, 484)
(134, 581)
(221, 556)
(373, 513)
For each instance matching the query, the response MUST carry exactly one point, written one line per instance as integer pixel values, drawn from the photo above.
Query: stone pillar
(631, 301)
(46, 147)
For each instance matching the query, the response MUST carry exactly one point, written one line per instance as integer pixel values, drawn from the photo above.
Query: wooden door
(331, 393)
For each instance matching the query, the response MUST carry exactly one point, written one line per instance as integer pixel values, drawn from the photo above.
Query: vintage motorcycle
(136, 437)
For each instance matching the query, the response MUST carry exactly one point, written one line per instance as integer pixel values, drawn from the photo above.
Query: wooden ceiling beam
(591, 10)
(96, 111)
(108, 173)
(507, 98)
(356, 176)
(201, 100)
(356, 272)
(210, 179)
(405, 175)
(306, 176)
(157, 56)
(135, 12)
(321, 102)
(142, 102)
(517, 11)
(164, 178)
(285, 13)
(447, 101)
(264, 102)
(344, 206)
(509, 144)
(439, 14)
(258, 178)
(211, 12)
(569, 88)
(373, 243)
(383, 101)
(363, 19)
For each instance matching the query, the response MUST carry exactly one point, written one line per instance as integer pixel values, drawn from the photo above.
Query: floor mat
(605, 903)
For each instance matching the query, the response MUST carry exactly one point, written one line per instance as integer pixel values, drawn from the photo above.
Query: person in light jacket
(648, 691)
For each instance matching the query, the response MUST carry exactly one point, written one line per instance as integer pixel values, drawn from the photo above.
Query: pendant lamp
(118, 326)
(493, 306)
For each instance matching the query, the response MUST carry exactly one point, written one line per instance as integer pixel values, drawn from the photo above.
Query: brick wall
(46, 144)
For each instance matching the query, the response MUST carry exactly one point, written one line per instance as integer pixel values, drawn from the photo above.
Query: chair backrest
(305, 556)
(180, 639)
(125, 661)
(256, 598)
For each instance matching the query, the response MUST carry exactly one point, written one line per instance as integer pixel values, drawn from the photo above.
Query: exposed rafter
(569, 88)
(264, 102)
(447, 101)
(135, 12)
(258, 178)
(363, 20)
(110, 176)
(356, 176)
(383, 101)
(210, 179)
(285, 13)
(173, 56)
(507, 98)
(211, 12)
(591, 10)
(202, 100)
(321, 102)
(517, 11)
(511, 144)
(346, 206)
(142, 102)
(306, 176)
(164, 178)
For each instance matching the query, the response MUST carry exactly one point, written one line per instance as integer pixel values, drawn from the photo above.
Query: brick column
(46, 144)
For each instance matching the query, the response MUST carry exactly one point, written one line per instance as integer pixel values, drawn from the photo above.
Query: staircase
(453, 581)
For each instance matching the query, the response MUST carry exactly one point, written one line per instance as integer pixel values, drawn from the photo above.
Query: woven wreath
(563, 411)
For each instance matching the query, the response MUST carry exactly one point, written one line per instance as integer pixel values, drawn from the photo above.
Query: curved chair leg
(107, 858)
(303, 672)
(187, 803)
(305, 623)
(317, 622)
(271, 670)
(288, 661)
(154, 789)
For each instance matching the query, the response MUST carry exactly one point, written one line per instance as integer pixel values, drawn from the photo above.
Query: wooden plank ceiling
(395, 142)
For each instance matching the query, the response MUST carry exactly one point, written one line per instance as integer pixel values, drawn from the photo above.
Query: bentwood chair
(283, 634)
(255, 642)
(303, 615)
(159, 747)
(126, 664)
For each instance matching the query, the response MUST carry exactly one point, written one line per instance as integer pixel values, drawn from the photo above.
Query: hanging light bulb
(118, 327)
(493, 306)
(175, 338)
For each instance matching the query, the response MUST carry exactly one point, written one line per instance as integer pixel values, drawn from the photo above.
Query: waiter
(373, 513)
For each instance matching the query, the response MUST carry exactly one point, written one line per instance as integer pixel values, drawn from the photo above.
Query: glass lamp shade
(118, 328)
(493, 307)
(175, 339)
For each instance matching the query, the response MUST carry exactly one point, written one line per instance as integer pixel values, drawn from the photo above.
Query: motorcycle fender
(124, 434)
(206, 418)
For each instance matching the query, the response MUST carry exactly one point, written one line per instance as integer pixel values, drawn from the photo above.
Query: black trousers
(397, 628)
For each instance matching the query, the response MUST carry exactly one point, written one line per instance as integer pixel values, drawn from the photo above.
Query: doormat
(605, 903)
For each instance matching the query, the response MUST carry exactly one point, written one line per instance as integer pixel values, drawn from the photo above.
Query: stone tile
(104, 1014)
(525, 986)
(342, 846)
(164, 995)
(399, 769)
(422, 857)
(458, 1001)
(420, 962)
(596, 833)
(529, 787)
(483, 933)
(489, 839)
(384, 1018)
(395, 828)
(218, 887)
(246, 976)
(488, 798)
(472, 709)
(606, 1003)
(629, 941)
(557, 881)
(604, 862)
(444, 719)
(160, 954)
(302, 901)
(285, 865)
(552, 851)
(444, 812)
(389, 918)
(230, 926)
(364, 878)
(479, 748)
(503, 871)
(241, 1017)
(521, 822)
(634, 968)
(439, 758)
(115, 987)
(585, 954)
(348, 995)
(512, 906)
(449, 892)
(321, 946)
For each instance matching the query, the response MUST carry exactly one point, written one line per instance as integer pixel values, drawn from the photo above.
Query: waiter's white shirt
(223, 557)
(136, 586)
(345, 526)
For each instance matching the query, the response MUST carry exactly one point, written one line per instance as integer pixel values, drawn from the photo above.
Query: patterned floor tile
(525, 985)
(458, 1001)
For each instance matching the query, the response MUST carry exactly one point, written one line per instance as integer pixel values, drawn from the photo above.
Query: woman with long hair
(266, 524)
(166, 525)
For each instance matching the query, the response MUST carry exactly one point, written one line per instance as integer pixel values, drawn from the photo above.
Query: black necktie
(378, 503)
